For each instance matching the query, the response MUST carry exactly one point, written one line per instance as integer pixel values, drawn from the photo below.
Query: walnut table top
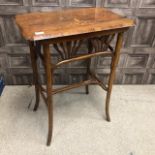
(68, 22)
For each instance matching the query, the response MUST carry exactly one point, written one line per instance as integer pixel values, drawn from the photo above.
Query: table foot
(50, 125)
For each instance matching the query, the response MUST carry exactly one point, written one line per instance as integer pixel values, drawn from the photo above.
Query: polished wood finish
(114, 62)
(33, 53)
(85, 56)
(66, 29)
(90, 50)
(49, 81)
(67, 22)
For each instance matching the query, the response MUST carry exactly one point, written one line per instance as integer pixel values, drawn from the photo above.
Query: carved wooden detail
(136, 78)
(45, 2)
(19, 61)
(67, 49)
(102, 43)
(144, 33)
(13, 34)
(137, 60)
(118, 3)
(82, 2)
(147, 4)
(11, 2)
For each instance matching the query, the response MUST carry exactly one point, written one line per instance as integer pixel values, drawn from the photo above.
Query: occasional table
(66, 30)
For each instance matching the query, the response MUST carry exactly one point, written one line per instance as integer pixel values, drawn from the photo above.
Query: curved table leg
(112, 73)
(49, 81)
(90, 48)
(87, 74)
(33, 50)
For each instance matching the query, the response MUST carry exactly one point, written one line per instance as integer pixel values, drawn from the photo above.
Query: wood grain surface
(66, 22)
